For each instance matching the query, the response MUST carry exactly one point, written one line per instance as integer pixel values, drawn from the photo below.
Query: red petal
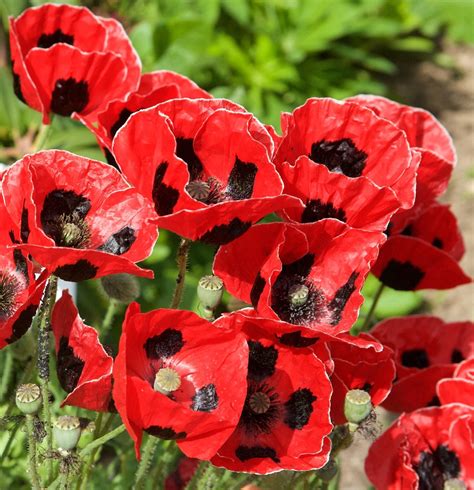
(186, 87)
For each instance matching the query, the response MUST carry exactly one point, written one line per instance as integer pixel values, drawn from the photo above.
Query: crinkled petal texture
(304, 274)
(459, 388)
(83, 366)
(203, 166)
(164, 78)
(86, 221)
(66, 60)
(425, 350)
(424, 449)
(359, 367)
(20, 294)
(325, 194)
(285, 421)
(202, 412)
(350, 139)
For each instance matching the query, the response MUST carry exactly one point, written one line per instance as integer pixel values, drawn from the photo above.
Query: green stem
(41, 137)
(181, 259)
(147, 456)
(109, 317)
(6, 374)
(32, 460)
(102, 440)
(368, 319)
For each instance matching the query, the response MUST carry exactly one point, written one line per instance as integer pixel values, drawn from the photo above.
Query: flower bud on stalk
(67, 431)
(28, 398)
(124, 288)
(209, 291)
(357, 406)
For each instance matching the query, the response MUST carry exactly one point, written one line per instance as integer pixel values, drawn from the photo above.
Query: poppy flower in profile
(20, 294)
(304, 274)
(85, 221)
(424, 449)
(427, 136)
(285, 420)
(359, 367)
(351, 140)
(425, 350)
(204, 164)
(66, 60)
(459, 388)
(177, 376)
(154, 88)
(423, 253)
(83, 365)
(325, 194)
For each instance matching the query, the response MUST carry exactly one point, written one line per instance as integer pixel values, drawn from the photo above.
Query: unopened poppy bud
(167, 380)
(67, 431)
(328, 471)
(357, 406)
(209, 291)
(121, 287)
(28, 398)
(298, 294)
(454, 484)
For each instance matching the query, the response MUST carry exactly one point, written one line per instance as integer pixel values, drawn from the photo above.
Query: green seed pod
(209, 291)
(298, 294)
(357, 406)
(167, 380)
(454, 484)
(121, 287)
(67, 431)
(28, 398)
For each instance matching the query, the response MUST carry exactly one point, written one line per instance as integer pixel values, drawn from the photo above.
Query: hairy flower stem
(368, 319)
(32, 460)
(109, 317)
(102, 440)
(43, 362)
(41, 137)
(147, 456)
(181, 259)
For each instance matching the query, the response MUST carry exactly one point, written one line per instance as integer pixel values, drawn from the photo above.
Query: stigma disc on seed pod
(28, 398)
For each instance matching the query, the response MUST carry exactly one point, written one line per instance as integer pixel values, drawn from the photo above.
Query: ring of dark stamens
(254, 423)
(70, 230)
(10, 286)
(434, 468)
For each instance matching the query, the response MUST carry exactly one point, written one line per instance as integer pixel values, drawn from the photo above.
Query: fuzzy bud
(357, 406)
(209, 291)
(67, 431)
(121, 287)
(28, 398)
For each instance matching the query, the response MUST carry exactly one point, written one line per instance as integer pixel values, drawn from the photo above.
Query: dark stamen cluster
(256, 422)
(9, 288)
(435, 468)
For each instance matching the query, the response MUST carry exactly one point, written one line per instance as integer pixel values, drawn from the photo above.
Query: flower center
(167, 380)
(298, 294)
(259, 402)
(9, 288)
(198, 190)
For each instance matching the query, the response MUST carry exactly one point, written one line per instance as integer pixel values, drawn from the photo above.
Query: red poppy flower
(304, 274)
(85, 221)
(426, 135)
(426, 350)
(424, 449)
(167, 384)
(459, 388)
(423, 253)
(20, 295)
(359, 367)
(154, 88)
(66, 60)
(179, 479)
(285, 421)
(205, 164)
(84, 367)
(350, 139)
(325, 194)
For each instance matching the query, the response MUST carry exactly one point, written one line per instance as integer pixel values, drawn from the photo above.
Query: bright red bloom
(423, 253)
(207, 366)
(361, 367)
(20, 295)
(84, 220)
(66, 60)
(350, 139)
(424, 449)
(304, 274)
(84, 367)
(285, 421)
(325, 194)
(459, 388)
(154, 88)
(205, 164)
(426, 350)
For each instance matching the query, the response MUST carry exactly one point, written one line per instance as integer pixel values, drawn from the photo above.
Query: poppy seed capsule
(298, 294)
(209, 291)
(259, 402)
(121, 287)
(454, 484)
(67, 431)
(198, 190)
(357, 406)
(28, 398)
(167, 380)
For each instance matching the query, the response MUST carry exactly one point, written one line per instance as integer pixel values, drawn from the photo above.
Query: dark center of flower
(436, 467)
(259, 402)
(47, 40)
(298, 294)
(9, 288)
(69, 95)
(261, 411)
(206, 191)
